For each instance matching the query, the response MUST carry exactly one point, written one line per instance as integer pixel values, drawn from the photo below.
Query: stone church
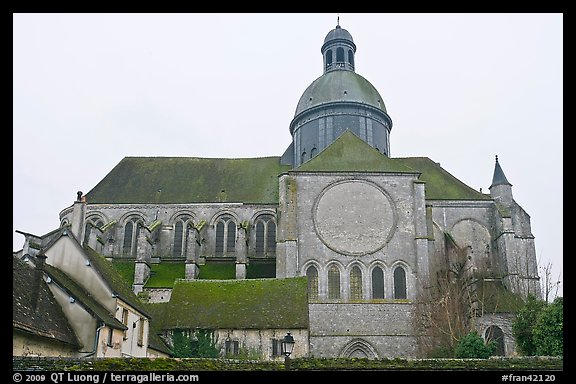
(365, 231)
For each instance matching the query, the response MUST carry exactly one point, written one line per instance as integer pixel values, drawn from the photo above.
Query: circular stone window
(354, 217)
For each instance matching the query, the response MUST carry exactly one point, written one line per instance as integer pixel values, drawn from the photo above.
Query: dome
(338, 33)
(339, 86)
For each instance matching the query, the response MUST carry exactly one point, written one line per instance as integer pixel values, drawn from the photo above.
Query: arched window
(339, 55)
(312, 275)
(265, 236)
(399, 283)
(131, 232)
(351, 57)
(333, 282)
(313, 152)
(377, 283)
(328, 58)
(181, 233)
(495, 334)
(355, 283)
(303, 157)
(94, 222)
(225, 236)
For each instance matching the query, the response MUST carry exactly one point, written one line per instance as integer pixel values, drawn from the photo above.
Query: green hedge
(300, 364)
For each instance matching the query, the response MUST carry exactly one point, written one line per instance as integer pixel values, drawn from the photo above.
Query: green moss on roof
(218, 271)
(348, 153)
(164, 274)
(190, 180)
(125, 269)
(441, 185)
(236, 304)
(117, 282)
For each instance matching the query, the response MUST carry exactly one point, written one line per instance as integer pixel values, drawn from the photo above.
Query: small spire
(338, 21)
(499, 178)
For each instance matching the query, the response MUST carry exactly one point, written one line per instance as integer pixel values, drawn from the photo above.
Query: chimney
(78, 217)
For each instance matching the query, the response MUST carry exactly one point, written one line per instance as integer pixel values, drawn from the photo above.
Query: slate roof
(46, 319)
(235, 304)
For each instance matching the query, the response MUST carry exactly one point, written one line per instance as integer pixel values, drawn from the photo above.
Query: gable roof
(83, 296)
(349, 153)
(34, 308)
(235, 304)
(190, 180)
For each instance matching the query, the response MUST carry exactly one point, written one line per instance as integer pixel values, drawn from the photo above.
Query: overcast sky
(90, 89)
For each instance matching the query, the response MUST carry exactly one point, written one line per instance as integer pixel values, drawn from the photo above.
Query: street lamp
(287, 346)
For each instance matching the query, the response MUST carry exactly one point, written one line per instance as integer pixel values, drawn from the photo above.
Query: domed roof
(338, 86)
(337, 34)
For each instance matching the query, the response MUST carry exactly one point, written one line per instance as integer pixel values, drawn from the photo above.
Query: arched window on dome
(377, 283)
(131, 232)
(328, 59)
(351, 57)
(399, 283)
(355, 283)
(312, 275)
(313, 152)
(339, 55)
(265, 236)
(333, 283)
(225, 236)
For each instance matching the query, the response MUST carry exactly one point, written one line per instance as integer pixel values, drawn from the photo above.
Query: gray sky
(90, 89)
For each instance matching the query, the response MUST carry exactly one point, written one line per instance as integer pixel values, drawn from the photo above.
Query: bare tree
(550, 285)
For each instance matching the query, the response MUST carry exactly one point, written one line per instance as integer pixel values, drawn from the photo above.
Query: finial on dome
(496, 158)
(338, 21)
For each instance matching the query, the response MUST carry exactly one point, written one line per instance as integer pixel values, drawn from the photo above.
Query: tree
(548, 332)
(472, 346)
(549, 285)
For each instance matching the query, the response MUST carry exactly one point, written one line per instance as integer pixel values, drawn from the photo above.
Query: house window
(399, 283)
(333, 282)
(312, 275)
(377, 283)
(225, 236)
(231, 347)
(125, 321)
(141, 332)
(110, 333)
(265, 236)
(276, 345)
(355, 283)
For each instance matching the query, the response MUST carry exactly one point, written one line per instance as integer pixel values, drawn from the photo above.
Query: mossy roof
(117, 283)
(495, 298)
(348, 153)
(190, 180)
(37, 312)
(235, 304)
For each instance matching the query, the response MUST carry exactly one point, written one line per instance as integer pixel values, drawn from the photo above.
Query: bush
(472, 346)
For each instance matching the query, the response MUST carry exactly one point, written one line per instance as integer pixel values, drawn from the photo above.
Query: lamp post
(287, 348)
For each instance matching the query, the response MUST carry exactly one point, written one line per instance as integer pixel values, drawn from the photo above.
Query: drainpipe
(96, 340)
